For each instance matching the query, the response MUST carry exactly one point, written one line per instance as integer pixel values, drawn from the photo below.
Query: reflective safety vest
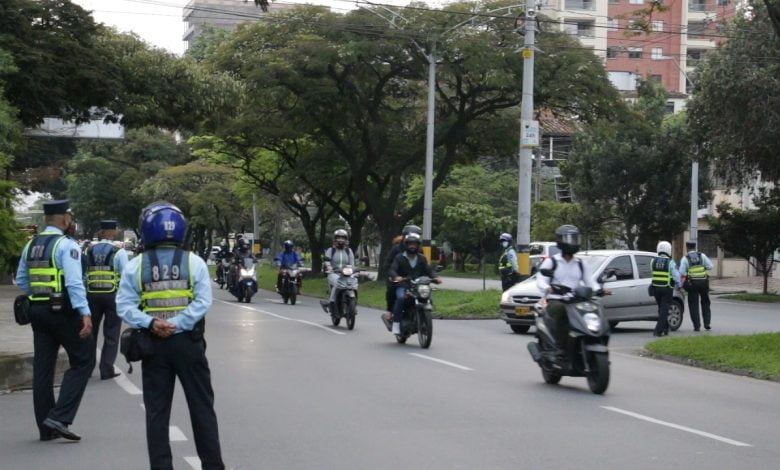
(696, 269)
(504, 265)
(166, 287)
(662, 272)
(102, 278)
(46, 278)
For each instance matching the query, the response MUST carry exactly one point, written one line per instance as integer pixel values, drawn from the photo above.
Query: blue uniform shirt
(511, 256)
(120, 260)
(704, 261)
(68, 258)
(128, 297)
(287, 259)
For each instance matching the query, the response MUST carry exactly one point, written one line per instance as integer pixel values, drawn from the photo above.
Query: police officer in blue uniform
(103, 264)
(167, 291)
(50, 274)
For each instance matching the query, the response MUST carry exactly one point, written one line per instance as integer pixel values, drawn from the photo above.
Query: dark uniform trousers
(509, 280)
(663, 297)
(50, 331)
(180, 356)
(699, 289)
(103, 307)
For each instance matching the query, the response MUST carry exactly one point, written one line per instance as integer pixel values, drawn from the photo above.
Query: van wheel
(520, 329)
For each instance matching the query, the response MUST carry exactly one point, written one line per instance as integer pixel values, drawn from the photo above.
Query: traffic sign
(530, 135)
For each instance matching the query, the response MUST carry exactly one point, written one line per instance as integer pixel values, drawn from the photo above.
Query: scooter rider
(336, 257)
(398, 248)
(285, 260)
(507, 264)
(569, 271)
(406, 266)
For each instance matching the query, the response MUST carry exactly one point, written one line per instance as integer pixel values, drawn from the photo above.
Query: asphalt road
(294, 393)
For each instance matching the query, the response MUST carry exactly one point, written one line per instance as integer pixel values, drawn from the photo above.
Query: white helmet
(664, 248)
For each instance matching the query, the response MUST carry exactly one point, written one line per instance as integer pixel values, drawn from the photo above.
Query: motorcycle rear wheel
(424, 329)
(598, 379)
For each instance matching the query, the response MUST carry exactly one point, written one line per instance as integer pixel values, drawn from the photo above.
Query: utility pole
(255, 227)
(529, 138)
(695, 201)
(428, 196)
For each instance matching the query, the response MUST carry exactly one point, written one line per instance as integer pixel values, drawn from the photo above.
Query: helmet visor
(570, 238)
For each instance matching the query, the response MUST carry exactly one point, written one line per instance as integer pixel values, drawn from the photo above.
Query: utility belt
(138, 344)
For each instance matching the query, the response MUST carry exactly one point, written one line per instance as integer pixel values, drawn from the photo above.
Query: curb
(696, 363)
(16, 371)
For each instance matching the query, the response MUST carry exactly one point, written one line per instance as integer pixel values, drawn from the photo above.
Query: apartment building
(678, 39)
(223, 14)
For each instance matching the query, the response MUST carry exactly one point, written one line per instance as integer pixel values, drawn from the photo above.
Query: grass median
(448, 303)
(753, 355)
(771, 298)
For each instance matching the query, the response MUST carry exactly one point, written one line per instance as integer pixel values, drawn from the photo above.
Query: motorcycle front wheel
(598, 378)
(424, 328)
(349, 308)
(550, 377)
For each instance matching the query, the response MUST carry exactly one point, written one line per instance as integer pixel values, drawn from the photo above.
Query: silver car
(627, 273)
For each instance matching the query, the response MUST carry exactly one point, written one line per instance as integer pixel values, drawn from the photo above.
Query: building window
(614, 1)
(612, 52)
(579, 4)
(657, 53)
(658, 25)
(696, 29)
(655, 78)
(694, 57)
(636, 2)
(669, 108)
(581, 29)
(697, 5)
(723, 3)
(634, 52)
(613, 24)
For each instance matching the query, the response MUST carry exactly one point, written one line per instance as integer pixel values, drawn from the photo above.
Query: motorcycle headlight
(424, 291)
(592, 321)
(247, 272)
(294, 273)
(587, 307)
(505, 297)
(347, 271)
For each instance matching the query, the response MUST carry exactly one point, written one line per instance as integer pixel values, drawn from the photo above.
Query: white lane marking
(441, 361)
(282, 317)
(175, 434)
(127, 385)
(677, 426)
(194, 462)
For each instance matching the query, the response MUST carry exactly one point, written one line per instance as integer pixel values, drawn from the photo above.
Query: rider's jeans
(400, 301)
(333, 278)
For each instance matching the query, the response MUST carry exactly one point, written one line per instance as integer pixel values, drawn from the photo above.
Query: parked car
(540, 251)
(627, 273)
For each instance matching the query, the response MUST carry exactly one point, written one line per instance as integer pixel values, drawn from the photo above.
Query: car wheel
(675, 317)
(520, 329)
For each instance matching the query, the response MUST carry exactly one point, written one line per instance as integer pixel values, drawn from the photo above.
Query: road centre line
(175, 434)
(194, 462)
(441, 361)
(282, 317)
(122, 379)
(677, 426)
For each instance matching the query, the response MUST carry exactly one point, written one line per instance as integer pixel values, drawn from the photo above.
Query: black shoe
(657, 334)
(707, 327)
(47, 434)
(697, 329)
(61, 429)
(110, 376)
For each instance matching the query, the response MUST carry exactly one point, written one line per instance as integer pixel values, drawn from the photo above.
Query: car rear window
(536, 250)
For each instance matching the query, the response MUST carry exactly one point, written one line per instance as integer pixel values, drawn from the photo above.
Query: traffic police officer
(103, 265)
(694, 267)
(507, 264)
(50, 273)
(665, 276)
(167, 291)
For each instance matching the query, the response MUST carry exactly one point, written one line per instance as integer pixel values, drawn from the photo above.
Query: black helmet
(567, 238)
(412, 242)
(288, 245)
(411, 229)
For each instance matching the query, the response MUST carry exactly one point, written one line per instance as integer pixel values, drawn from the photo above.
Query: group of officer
(163, 294)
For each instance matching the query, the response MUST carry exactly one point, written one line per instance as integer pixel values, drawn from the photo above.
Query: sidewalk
(751, 285)
(16, 346)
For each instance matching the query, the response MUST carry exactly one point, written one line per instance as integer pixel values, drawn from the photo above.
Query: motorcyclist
(397, 249)
(241, 252)
(507, 264)
(336, 257)
(569, 271)
(408, 265)
(285, 260)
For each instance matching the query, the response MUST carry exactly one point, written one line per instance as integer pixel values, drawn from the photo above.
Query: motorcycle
(245, 285)
(586, 353)
(345, 305)
(223, 271)
(291, 284)
(417, 314)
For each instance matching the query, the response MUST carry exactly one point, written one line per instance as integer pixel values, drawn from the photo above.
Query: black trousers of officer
(103, 307)
(663, 297)
(699, 290)
(50, 331)
(180, 356)
(509, 280)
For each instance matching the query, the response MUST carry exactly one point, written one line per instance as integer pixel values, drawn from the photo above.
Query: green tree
(737, 121)
(11, 238)
(635, 172)
(751, 234)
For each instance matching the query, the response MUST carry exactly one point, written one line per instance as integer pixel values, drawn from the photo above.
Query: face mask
(505, 244)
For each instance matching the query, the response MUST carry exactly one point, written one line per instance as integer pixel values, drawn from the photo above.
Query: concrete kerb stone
(16, 347)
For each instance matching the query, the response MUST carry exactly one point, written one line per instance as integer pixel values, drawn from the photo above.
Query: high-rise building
(223, 14)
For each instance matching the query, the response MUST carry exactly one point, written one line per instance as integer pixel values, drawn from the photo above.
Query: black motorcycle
(345, 305)
(417, 314)
(586, 352)
(223, 270)
(291, 284)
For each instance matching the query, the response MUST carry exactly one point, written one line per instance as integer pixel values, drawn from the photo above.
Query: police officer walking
(507, 264)
(50, 273)
(694, 267)
(665, 278)
(167, 291)
(103, 265)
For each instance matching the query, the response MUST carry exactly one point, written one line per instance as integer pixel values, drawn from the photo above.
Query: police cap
(61, 206)
(108, 225)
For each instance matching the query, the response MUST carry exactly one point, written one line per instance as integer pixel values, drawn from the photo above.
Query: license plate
(522, 310)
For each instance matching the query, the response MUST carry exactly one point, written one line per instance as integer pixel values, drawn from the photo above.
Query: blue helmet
(505, 237)
(162, 222)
